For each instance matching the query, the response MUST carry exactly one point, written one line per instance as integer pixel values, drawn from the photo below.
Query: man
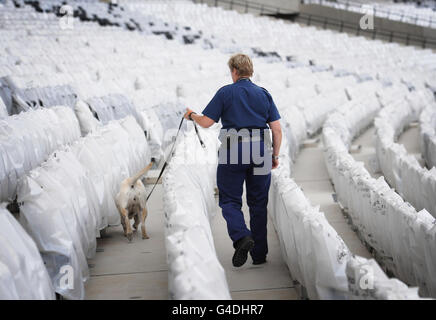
(243, 107)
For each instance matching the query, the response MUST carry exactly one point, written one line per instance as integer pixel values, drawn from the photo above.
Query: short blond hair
(242, 63)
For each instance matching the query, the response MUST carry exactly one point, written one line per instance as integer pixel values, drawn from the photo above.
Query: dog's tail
(141, 173)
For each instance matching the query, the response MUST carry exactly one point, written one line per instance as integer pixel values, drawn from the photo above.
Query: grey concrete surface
(411, 141)
(268, 281)
(310, 173)
(136, 270)
(367, 154)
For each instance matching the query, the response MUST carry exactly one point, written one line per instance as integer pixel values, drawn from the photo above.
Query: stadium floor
(138, 270)
(310, 172)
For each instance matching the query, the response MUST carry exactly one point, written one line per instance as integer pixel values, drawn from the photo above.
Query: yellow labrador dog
(131, 202)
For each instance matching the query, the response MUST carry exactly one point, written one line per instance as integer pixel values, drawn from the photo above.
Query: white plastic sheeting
(37, 97)
(3, 110)
(314, 252)
(316, 255)
(65, 202)
(316, 110)
(169, 115)
(189, 204)
(7, 86)
(154, 131)
(402, 170)
(22, 271)
(113, 107)
(427, 121)
(58, 220)
(86, 119)
(20, 94)
(27, 139)
(294, 128)
(403, 238)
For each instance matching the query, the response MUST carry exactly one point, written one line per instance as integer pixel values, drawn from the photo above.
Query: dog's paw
(129, 236)
(144, 236)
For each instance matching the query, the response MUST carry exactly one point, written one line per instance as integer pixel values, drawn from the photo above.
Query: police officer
(248, 108)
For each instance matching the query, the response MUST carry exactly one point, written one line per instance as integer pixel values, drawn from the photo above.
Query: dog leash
(167, 159)
(171, 152)
(198, 135)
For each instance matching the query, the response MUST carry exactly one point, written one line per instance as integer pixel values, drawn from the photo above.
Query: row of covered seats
(189, 204)
(71, 194)
(134, 66)
(398, 68)
(427, 121)
(50, 64)
(109, 14)
(402, 238)
(66, 201)
(401, 170)
(27, 139)
(19, 99)
(316, 255)
(321, 48)
(22, 271)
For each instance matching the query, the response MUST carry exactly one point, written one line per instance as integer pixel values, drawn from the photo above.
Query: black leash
(166, 161)
(198, 135)
(171, 152)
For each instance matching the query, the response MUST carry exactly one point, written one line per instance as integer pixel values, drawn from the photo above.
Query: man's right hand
(187, 113)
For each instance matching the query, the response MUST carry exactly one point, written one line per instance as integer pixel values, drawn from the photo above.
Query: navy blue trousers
(230, 181)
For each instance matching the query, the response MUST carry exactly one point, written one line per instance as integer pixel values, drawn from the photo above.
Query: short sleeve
(273, 112)
(215, 107)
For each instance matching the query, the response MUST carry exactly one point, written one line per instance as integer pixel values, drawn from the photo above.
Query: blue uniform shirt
(242, 105)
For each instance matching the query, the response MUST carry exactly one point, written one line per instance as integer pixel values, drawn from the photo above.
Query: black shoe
(259, 261)
(242, 247)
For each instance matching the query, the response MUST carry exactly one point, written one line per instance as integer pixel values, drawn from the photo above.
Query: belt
(245, 135)
(243, 139)
(248, 139)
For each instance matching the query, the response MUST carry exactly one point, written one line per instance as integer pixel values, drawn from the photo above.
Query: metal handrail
(375, 10)
(408, 38)
(261, 7)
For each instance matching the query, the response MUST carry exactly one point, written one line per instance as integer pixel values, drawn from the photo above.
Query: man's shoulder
(265, 91)
(226, 87)
(259, 87)
(224, 90)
